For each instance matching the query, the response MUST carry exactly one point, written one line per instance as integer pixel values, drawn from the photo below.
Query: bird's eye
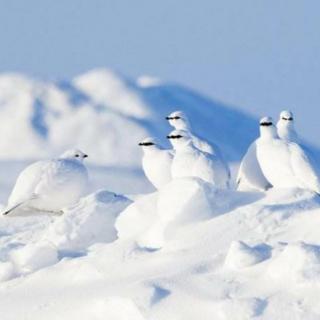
(176, 118)
(77, 156)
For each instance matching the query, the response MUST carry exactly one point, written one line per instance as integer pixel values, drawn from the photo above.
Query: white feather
(156, 163)
(285, 127)
(250, 173)
(49, 185)
(286, 164)
(189, 161)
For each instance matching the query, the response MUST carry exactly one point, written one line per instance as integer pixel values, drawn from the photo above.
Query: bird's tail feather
(18, 205)
(10, 209)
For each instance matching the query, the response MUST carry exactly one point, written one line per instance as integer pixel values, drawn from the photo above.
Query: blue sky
(261, 56)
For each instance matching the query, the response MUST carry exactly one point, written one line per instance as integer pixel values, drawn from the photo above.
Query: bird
(285, 164)
(156, 162)
(189, 161)
(285, 127)
(50, 185)
(179, 121)
(250, 173)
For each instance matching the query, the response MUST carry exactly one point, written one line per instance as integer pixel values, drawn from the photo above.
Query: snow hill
(187, 251)
(107, 114)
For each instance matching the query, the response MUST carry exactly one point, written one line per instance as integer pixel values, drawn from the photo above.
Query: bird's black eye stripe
(77, 156)
(146, 144)
(178, 136)
(287, 119)
(266, 124)
(173, 118)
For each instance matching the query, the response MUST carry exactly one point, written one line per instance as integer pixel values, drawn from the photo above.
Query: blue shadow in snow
(159, 294)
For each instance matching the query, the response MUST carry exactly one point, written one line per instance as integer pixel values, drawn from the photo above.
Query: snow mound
(153, 217)
(240, 255)
(186, 200)
(90, 221)
(34, 256)
(224, 255)
(137, 217)
(298, 263)
(105, 86)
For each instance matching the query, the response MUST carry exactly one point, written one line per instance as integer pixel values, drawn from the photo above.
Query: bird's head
(148, 144)
(179, 138)
(75, 154)
(286, 119)
(267, 128)
(178, 120)
(286, 115)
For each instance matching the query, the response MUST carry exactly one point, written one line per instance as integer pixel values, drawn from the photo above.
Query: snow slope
(231, 255)
(110, 110)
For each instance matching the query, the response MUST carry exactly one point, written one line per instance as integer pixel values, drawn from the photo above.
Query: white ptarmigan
(285, 127)
(156, 162)
(50, 185)
(250, 174)
(179, 121)
(285, 164)
(189, 161)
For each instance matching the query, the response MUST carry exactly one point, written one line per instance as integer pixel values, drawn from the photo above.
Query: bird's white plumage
(50, 185)
(189, 161)
(156, 162)
(285, 127)
(250, 174)
(285, 164)
(179, 121)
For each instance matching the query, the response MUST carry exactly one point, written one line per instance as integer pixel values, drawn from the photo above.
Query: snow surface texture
(182, 251)
(187, 251)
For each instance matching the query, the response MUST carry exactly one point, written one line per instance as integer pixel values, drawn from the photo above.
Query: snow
(90, 221)
(240, 255)
(34, 256)
(53, 116)
(126, 251)
(228, 255)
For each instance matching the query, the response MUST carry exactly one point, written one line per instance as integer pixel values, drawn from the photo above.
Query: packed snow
(133, 249)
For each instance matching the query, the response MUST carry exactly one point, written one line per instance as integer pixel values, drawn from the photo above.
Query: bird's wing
(304, 167)
(55, 174)
(203, 167)
(26, 183)
(24, 189)
(204, 145)
(9, 209)
(250, 170)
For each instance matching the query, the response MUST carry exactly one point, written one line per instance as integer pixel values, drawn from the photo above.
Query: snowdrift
(184, 251)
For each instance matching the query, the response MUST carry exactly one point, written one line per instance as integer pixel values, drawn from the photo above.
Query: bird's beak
(140, 144)
(168, 137)
(167, 118)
